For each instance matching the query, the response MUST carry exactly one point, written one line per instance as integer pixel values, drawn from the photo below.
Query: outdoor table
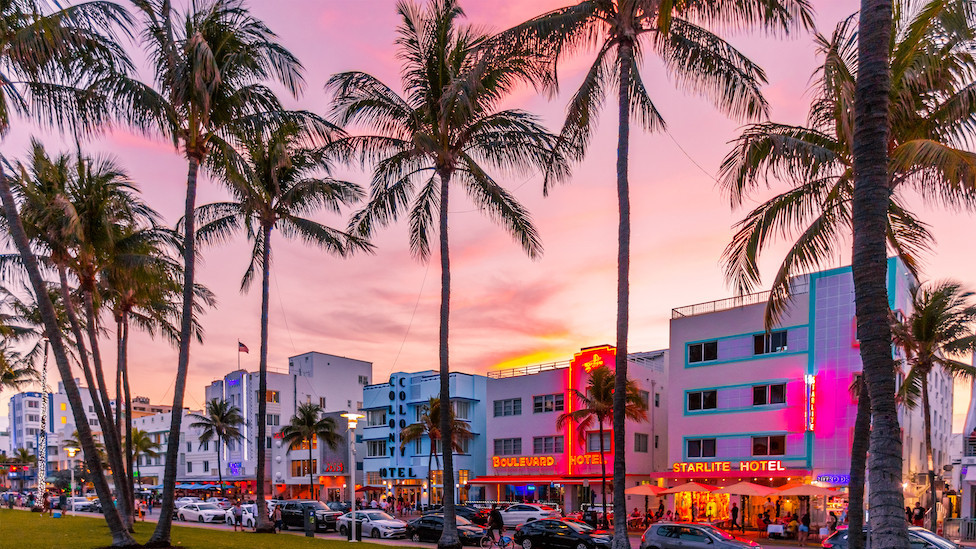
(775, 529)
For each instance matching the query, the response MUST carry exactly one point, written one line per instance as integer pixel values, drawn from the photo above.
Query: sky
(507, 309)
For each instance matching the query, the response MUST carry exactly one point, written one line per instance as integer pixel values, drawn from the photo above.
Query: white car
(186, 500)
(223, 503)
(375, 524)
(524, 512)
(247, 518)
(78, 503)
(201, 512)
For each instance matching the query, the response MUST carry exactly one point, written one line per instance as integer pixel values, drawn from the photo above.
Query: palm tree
(448, 129)
(14, 373)
(597, 404)
(278, 179)
(620, 32)
(938, 331)
(142, 445)
(305, 428)
(429, 425)
(221, 423)
(927, 55)
(211, 64)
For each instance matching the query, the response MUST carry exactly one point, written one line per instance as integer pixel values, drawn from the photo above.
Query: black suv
(293, 515)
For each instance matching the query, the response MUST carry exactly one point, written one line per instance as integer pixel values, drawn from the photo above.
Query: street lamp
(71, 465)
(353, 419)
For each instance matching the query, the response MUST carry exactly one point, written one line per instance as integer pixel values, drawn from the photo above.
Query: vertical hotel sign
(583, 363)
(811, 411)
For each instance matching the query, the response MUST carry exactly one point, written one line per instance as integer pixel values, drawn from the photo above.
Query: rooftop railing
(799, 286)
(528, 370)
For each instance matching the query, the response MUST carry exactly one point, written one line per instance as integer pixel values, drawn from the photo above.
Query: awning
(970, 474)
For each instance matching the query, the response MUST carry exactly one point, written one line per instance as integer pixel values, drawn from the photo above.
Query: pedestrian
(149, 504)
(804, 529)
(908, 514)
(660, 509)
(832, 521)
(142, 510)
(276, 515)
(735, 517)
(918, 515)
(779, 506)
(238, 512)
(46, 502)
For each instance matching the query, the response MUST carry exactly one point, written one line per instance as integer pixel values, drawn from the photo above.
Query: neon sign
(334, 467)
(594, 357)
(523, 461)
(726, 466)
(811, 418)
(235, 468)
(587, 459)
(840, 478)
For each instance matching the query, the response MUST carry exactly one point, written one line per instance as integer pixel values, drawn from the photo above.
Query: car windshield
(934, 539)
(722, 534)
(207, 507)
(577, 526)
(379, 515)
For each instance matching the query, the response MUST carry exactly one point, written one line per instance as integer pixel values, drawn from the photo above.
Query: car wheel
(200, 519)
(375, 534)
(342, 530)
(182, 518)
(581, 546)
(415, 537)
(526, 544)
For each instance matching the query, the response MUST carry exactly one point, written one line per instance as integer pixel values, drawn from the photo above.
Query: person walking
(918, 515)
(238, 516)
(276, 516)
(804, 529)
(46, 502)
(735, 517)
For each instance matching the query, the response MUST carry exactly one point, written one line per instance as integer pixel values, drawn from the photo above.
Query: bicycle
(504, 542)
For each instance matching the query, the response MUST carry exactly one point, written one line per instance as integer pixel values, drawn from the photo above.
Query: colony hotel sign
(761, 466)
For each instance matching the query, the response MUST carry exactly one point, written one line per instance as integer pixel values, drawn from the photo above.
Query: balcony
(969, 447)
(799, 285)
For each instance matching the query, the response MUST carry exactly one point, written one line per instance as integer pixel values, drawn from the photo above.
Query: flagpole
(238, 354)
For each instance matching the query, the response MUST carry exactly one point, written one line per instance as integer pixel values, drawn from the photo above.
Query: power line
(410, 324)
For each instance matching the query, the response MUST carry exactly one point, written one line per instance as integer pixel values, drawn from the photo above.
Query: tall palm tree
(597, 405)
(278, 178)
(142, 445)
(448, 130)
(305, 429)
(221, 422)
(429, 425)
(937, 332)
(928, 156)
(14, 372)
(211, 64)
(621, 33)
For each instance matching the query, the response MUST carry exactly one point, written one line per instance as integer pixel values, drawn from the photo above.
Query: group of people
(637, 519)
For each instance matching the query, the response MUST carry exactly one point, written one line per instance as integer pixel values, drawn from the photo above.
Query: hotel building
(529, 459)
(775, 407)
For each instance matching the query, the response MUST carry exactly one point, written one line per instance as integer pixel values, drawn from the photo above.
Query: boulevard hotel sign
(761, 466)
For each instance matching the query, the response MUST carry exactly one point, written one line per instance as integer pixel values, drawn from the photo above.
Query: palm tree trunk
(129, 458)
(859, 457)
(927, 418)
(620, 539)
(430, 472)
(449, 537)
(220, 468)
(603, 479)
(869, 266)
(113, 446)
(120, 536)
(161, 536)
(262, 522)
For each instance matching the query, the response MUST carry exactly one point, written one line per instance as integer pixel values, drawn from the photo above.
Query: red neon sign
(594, 357)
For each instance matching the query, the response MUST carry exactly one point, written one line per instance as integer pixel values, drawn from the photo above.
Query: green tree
(596, 404)
(211, 65)
(429, 426)
(221, 422)
(937, 332)
(307, 427)
(14, 373)
(622, 33)
(278, 179)
(142, 445)
(447, 130)
(928, 57)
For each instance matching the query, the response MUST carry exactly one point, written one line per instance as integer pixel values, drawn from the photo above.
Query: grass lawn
(25, 530)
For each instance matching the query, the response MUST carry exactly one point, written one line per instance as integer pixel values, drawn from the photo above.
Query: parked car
(340, 506)
(201, 512)
(560, 534)
(524, 512)
(691, 535)
(474, 514)
(918, 538)
(78, 503)
(375, 524)
(223, 503)
(250, 510)
(430, 527)
(293, 515)
(186, 500)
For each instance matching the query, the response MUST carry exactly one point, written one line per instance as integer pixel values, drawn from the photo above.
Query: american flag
(241, 348)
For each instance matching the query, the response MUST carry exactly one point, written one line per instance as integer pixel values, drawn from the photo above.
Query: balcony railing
(969, 447)
(528, 370)
(799, 286)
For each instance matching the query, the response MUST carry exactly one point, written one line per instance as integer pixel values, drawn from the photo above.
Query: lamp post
(71, 465)
(353, 419)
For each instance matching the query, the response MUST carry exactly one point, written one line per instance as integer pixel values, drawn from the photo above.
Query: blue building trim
(688, 344)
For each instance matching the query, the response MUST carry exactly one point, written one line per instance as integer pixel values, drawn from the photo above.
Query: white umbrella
(747, 489)
(690, 487)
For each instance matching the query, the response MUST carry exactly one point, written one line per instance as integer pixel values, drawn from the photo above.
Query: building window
(701, 448)
(375, 418)
(206, 466)
(774, 342)
(655, 442)
(273, 419)
(373, 478)
(461, 408)
(304, 444)
(64, 407)
(640, 442)
(33, 417)
(645, 398)
(272, 396)
(375, 448)
(363, 380)
(299, 467)
(657, 400)
(64, 420)
(768, 394)
(593, 442)
(189, 447)
(204, 447)
(463, 476)
(322, 403)
(769, 446)
(703, 352)
(547, 403)
(508, 407)
(508, 446)
(189, 467)
(703, 400)
(437, 477)
(267, 442)
(418, 446)
(32, 404)
(547, 445)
